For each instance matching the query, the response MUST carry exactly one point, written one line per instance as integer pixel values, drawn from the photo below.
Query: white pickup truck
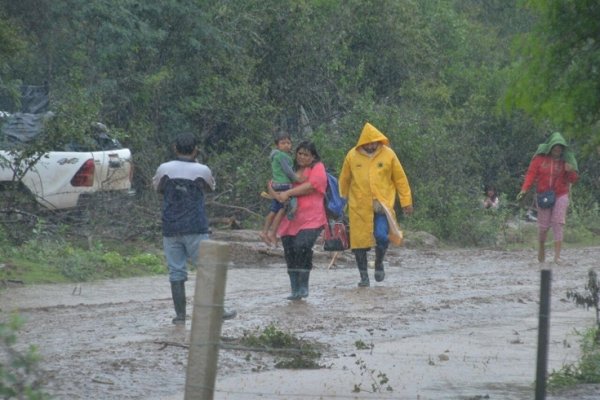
(62, 179)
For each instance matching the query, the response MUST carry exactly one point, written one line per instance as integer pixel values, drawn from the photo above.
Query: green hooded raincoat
(554, 139)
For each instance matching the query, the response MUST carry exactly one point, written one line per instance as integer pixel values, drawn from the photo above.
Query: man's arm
(159, 183)
(344, 178)
(204, 185)
(400, 182)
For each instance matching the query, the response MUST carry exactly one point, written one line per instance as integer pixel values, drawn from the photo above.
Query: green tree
(555, 76)
(11, 46)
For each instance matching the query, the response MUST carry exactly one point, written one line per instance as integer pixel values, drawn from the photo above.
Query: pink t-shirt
(311, 210)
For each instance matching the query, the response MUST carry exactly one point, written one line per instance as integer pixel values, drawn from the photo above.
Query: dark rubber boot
(361, 262)
(229, 314)
(379, 272)
(303, 284)
(178, 294)
(294, 285)
(304, 263)
(291, 260)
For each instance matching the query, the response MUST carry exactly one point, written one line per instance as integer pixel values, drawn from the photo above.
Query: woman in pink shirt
(299, 234)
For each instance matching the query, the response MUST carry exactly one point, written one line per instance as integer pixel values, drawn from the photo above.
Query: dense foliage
(556, 74)
(429, 73)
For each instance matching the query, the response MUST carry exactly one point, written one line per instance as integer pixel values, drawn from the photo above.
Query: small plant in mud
(294, 353)
(360, 345)
(20, 377)
(379, 380)
(590, 298)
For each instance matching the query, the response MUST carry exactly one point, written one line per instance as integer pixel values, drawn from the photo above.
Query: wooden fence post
(207, 318)
(543, 334)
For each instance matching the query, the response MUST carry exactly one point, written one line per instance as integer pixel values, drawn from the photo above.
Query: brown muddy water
(445, 324)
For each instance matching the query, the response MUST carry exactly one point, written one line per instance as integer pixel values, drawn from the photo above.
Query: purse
(546, 199)
(335, 236)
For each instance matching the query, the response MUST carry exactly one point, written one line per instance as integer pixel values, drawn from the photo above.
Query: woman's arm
(570, 173)
(300, 190)
(531, 176)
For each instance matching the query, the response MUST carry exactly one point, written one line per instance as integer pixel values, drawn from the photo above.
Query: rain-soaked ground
(445, 324)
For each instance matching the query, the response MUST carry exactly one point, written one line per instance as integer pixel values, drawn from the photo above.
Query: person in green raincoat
(552, 168)
(370, 178)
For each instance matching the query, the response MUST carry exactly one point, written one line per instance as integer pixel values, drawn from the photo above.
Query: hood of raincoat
(371, 134)
(554, 139)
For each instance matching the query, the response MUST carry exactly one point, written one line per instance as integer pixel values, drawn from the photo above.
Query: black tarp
(33, 99)
(24, 120)
(23, 127)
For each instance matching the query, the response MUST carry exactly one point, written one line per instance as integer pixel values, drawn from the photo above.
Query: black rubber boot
(303, 283)
(294, 285)
(291, 256)
(305, 256)
(379, 254)
(229, 314)
(361, 262)
(178, 294)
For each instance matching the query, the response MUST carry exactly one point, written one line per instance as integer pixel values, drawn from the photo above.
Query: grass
(57, 252)
(59, 261)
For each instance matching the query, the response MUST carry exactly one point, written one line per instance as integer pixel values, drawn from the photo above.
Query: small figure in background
(491, 200)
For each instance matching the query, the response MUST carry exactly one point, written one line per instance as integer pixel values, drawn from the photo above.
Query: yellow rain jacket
(365, 178)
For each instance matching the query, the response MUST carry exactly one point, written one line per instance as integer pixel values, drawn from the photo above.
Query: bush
(457, 217)
(587, 370)
(20, 376)
(584, 215)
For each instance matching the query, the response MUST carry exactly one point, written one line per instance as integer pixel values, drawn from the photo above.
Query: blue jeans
(382, 230)
(180, 249)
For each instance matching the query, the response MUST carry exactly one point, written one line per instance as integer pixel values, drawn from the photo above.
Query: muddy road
(445, 324)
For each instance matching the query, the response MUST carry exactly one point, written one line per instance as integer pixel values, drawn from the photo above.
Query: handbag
(335, 236)
(546, 199)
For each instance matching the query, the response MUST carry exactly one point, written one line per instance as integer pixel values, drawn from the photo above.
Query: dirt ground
(445, 324)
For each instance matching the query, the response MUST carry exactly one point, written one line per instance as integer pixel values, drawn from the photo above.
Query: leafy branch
(591, 296)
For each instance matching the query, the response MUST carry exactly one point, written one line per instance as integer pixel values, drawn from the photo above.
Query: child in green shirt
(283, 176)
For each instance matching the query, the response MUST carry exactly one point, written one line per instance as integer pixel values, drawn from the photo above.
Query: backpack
(334, 203)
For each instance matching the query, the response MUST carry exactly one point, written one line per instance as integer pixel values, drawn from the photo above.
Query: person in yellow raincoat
(370, 178)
